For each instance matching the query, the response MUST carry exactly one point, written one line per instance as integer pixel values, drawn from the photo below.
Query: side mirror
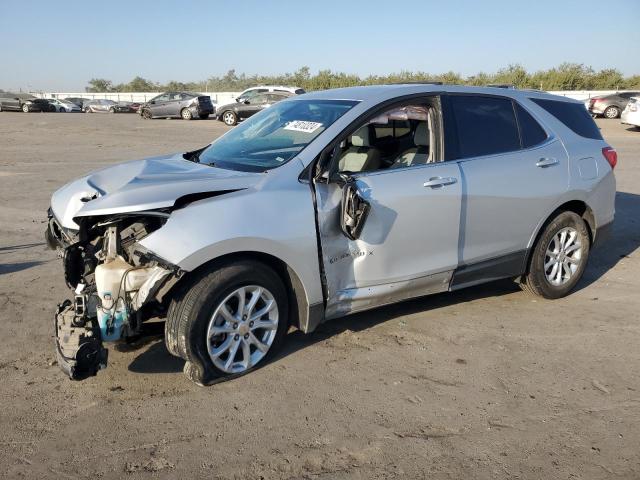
(353, 210)
(246, 102)
(152, 102)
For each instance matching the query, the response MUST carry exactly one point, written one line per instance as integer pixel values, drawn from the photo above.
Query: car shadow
(18, 267)
(624, 239)
(14, 248)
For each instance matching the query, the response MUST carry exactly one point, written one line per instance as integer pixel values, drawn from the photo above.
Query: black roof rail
(501, 85)
(416, 83)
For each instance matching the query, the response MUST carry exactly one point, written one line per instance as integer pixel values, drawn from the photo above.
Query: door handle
(546, 162)
(437, 182)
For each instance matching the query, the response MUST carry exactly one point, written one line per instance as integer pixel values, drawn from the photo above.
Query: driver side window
(397, 138)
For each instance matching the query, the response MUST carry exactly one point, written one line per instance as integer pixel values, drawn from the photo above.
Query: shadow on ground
(624, 240)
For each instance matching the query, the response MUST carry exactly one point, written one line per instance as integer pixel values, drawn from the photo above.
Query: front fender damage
(117, 284)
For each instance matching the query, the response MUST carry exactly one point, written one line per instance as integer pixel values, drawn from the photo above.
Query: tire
(229, 118)
(611, 112)
(194, 318)
(112, 110)
(186, 114)
(146, 114)
(87, 110)
(203, 116)
(565, 260)
(25, 108)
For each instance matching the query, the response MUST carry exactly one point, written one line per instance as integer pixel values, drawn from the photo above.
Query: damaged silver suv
(324, 205)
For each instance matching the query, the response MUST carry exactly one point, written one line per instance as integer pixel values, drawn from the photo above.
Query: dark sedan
(23, 102)
(232, 113)
(185, 105)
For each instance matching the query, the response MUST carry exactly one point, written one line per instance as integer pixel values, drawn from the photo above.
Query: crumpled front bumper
(79, 349)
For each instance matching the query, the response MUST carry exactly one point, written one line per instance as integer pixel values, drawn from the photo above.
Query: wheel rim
(229, 118)
(563, 256)
(25, 108)
(611, 113)
(242, 329)
(186, 114)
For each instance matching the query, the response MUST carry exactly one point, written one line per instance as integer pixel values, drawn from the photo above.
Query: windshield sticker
(303, 126)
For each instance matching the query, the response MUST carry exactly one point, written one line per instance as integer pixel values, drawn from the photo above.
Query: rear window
(531, 133)
(485, 125)
(573, 115)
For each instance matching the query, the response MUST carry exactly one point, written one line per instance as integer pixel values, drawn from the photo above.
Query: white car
(631, 113)
(250, 92)
(63, 106)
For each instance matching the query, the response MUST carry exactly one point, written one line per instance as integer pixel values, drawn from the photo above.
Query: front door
(389, 212)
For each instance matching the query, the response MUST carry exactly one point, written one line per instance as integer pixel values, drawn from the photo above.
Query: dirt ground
(486, 383)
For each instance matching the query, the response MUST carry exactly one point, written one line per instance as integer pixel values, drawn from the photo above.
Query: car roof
(380, 93)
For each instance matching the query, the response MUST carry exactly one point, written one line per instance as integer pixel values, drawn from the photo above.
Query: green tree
(99, 85)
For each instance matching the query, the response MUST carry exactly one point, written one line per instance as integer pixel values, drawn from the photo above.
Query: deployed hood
(142, 185)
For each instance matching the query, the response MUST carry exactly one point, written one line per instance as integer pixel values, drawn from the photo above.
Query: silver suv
(324, 205)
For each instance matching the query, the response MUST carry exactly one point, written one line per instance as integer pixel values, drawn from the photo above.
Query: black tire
(63, 110)
(611, 112)
(146, 114)
(229, 118)
(195, 301)
(535, 281)
(186, 114)
(87, 110)
(112, 110)
(203, 116)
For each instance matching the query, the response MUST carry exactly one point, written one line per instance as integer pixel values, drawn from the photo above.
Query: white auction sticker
(303, 126)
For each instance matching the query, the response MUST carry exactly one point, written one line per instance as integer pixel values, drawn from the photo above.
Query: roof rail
(426, 82)
(501, 85)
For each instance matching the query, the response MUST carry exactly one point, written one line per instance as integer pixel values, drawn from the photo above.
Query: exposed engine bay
(117, 284)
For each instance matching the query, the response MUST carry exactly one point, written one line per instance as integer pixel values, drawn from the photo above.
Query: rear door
(388, 233)
(514, 171)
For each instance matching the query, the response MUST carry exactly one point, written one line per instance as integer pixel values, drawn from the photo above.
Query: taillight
(611, 156)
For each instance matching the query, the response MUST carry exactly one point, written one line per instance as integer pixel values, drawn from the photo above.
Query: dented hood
(142, 185)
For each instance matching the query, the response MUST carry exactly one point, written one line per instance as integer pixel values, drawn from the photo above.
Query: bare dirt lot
(485, 383)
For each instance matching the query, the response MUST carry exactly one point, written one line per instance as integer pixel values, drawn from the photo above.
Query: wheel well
(298, 305)
(575, 206)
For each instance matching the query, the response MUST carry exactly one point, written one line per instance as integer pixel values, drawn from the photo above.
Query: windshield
(275, 135)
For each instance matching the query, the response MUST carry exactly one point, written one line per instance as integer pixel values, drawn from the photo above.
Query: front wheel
(559, 257)
(186, 114)
(146, 114)
(228, 321)
(25, 108)
(112, 110)
(229, 118)
(63, 110)
(612, 112)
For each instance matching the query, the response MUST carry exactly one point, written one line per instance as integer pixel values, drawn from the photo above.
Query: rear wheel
(229, 118)
(559, 257)
(228, 321)
(612, 112)
(186, 114)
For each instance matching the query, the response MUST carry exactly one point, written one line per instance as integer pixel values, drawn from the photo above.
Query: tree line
(567, 76)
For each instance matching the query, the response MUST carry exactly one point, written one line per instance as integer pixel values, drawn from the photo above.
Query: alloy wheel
(242, 329)
(611, 112)
(563, 256)
(229, 118)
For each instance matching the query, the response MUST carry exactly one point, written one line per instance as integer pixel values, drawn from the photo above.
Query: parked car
(609, 106)
(631, 113)
(391, 192)
(63, 105)
(232, 113)
(250, 92)
(183, 105)
(79, 101)
(23, 102)
(105, 106)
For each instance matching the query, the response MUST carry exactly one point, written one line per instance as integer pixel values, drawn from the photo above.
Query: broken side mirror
(353, 209)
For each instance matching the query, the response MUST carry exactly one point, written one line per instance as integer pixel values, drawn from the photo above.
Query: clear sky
(60, 45)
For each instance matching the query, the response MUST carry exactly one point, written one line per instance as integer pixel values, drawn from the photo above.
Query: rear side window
(531, 132)
(485, 125)
(573, 115)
